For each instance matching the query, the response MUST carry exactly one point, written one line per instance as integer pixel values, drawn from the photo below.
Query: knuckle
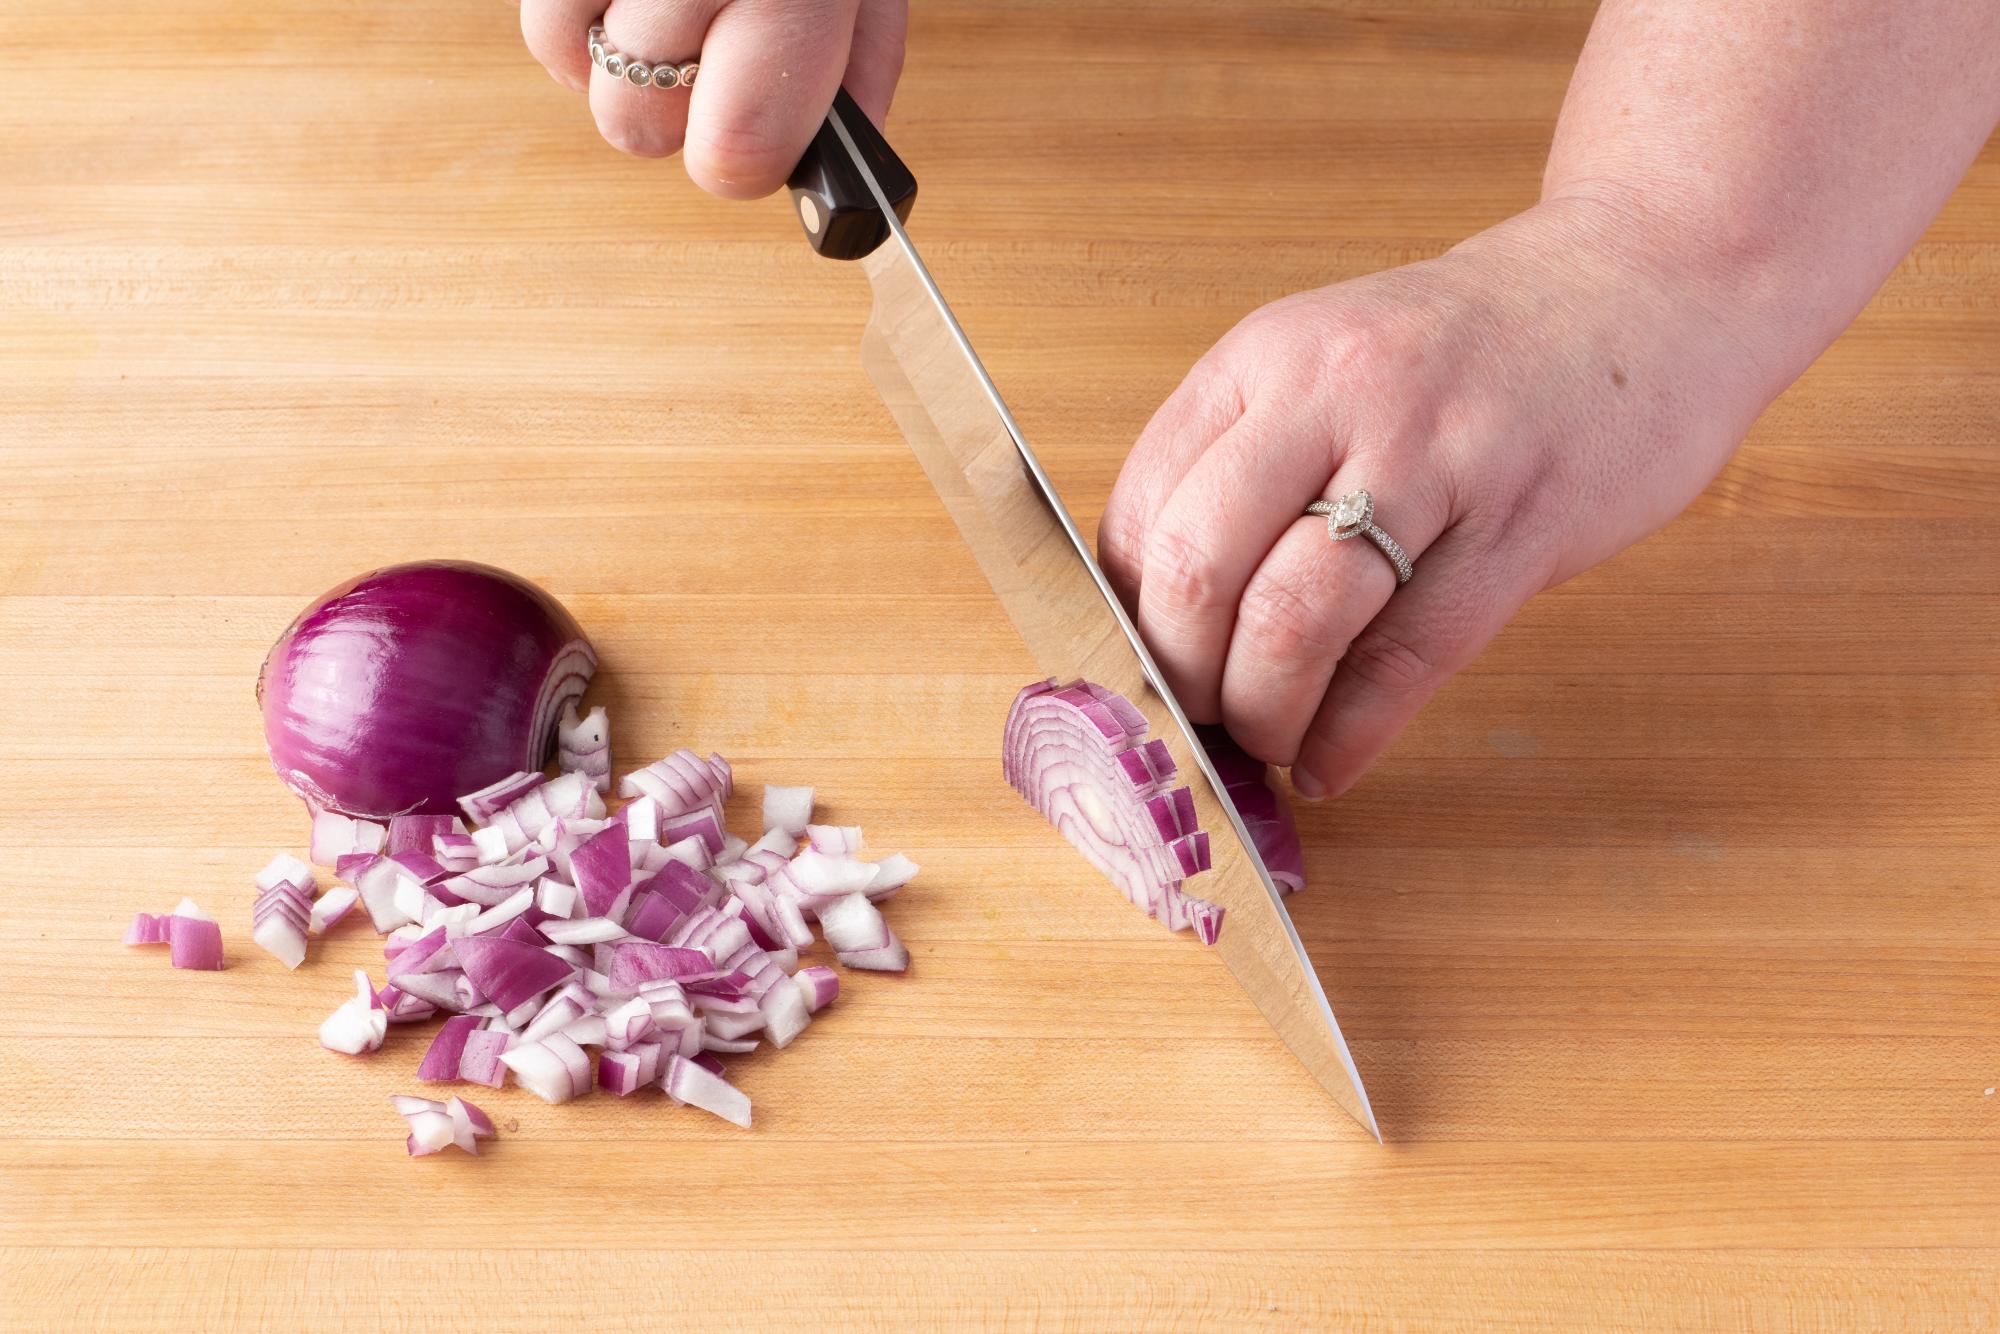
(1390, 663)
(1181, 575)
(1288, 622)
(1118, 551)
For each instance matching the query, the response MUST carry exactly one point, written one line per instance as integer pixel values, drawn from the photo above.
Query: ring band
(638, 73)
(1353, 515)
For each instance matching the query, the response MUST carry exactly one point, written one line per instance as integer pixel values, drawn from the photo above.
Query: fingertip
(1307, 787)
(556, 33)
(739, 162)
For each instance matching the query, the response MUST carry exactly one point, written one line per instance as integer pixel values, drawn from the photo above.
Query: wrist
(1659, 292)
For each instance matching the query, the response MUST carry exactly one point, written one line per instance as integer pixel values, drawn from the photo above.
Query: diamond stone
(1352, 510)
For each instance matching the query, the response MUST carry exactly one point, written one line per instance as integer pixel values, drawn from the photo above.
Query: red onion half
(398, 691)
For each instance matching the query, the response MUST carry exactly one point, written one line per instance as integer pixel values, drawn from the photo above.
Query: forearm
(1781, 156)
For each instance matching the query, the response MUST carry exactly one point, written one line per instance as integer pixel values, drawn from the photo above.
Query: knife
(853, 195)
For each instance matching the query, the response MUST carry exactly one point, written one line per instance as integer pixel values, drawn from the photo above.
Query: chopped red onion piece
(335, 835)
(331, 906)
(521, 930)
(704, 824)
(569, 954)
(359, 1025)
(455, 852)
(479, 1122)
(640, 961)
(785, 1015)
(446, 1054)
(641, 818)
(853, 925)
(561, 1010)
(540, 1070)
(406, 1105)
(724, 1026)
(409, 898)
(194, 942)
(602, 871)
(416, 956)
(691, 851)
(280, 936)
(583, 931)
(376, 878)
(420, 866)
(147, 929)
(480, 1061)
(429, 1132)
(285, 869)
(1080, 755)
(555, 898)
(501, 913)
(680, 783)
(686, 1082)
(402, 1008)
(508, 972)
(585, 746)
(891, 958)
(628, 1024)
(787, 810)
(817, 986)
(589, 1031)
(493, 844)
(834, 840)
(651, 916)
(439, 990)
(489, 801)
(687, 889)
(619, 1072)
(891, 874)
(817, 873)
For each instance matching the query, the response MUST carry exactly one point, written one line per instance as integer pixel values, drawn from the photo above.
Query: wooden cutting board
(1668, 940)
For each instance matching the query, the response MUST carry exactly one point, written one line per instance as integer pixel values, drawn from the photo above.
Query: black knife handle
(833, 202)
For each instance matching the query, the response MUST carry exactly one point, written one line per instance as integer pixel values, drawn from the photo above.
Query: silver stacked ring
(637, 72)
(1353, 515)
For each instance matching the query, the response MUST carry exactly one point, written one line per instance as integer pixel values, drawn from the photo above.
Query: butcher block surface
(1668, 940)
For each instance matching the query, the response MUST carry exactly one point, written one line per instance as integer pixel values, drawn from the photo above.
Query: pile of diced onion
(545, 926)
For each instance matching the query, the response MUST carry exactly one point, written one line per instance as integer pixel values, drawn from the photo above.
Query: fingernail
(1307, 787)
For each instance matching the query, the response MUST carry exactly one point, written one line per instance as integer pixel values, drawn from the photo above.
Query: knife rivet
(809, 214)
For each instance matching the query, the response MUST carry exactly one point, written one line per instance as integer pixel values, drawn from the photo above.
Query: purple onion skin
(398, 691)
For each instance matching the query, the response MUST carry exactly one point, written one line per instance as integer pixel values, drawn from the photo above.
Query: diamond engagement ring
(1353, 515)
(638, 73)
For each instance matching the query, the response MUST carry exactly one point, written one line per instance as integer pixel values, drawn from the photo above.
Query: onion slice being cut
(1267, 815)
(1080, 755)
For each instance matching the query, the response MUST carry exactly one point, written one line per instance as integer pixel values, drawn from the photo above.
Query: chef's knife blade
(852, 194)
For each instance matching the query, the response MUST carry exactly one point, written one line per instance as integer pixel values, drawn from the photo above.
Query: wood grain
(1668, 939)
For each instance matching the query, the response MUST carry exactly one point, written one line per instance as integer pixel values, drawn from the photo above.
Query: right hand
(769, 70)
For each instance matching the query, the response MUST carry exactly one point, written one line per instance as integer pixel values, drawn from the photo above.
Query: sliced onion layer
(1081, 756)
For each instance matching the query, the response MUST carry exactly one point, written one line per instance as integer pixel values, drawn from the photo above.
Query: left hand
(1521, 408)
